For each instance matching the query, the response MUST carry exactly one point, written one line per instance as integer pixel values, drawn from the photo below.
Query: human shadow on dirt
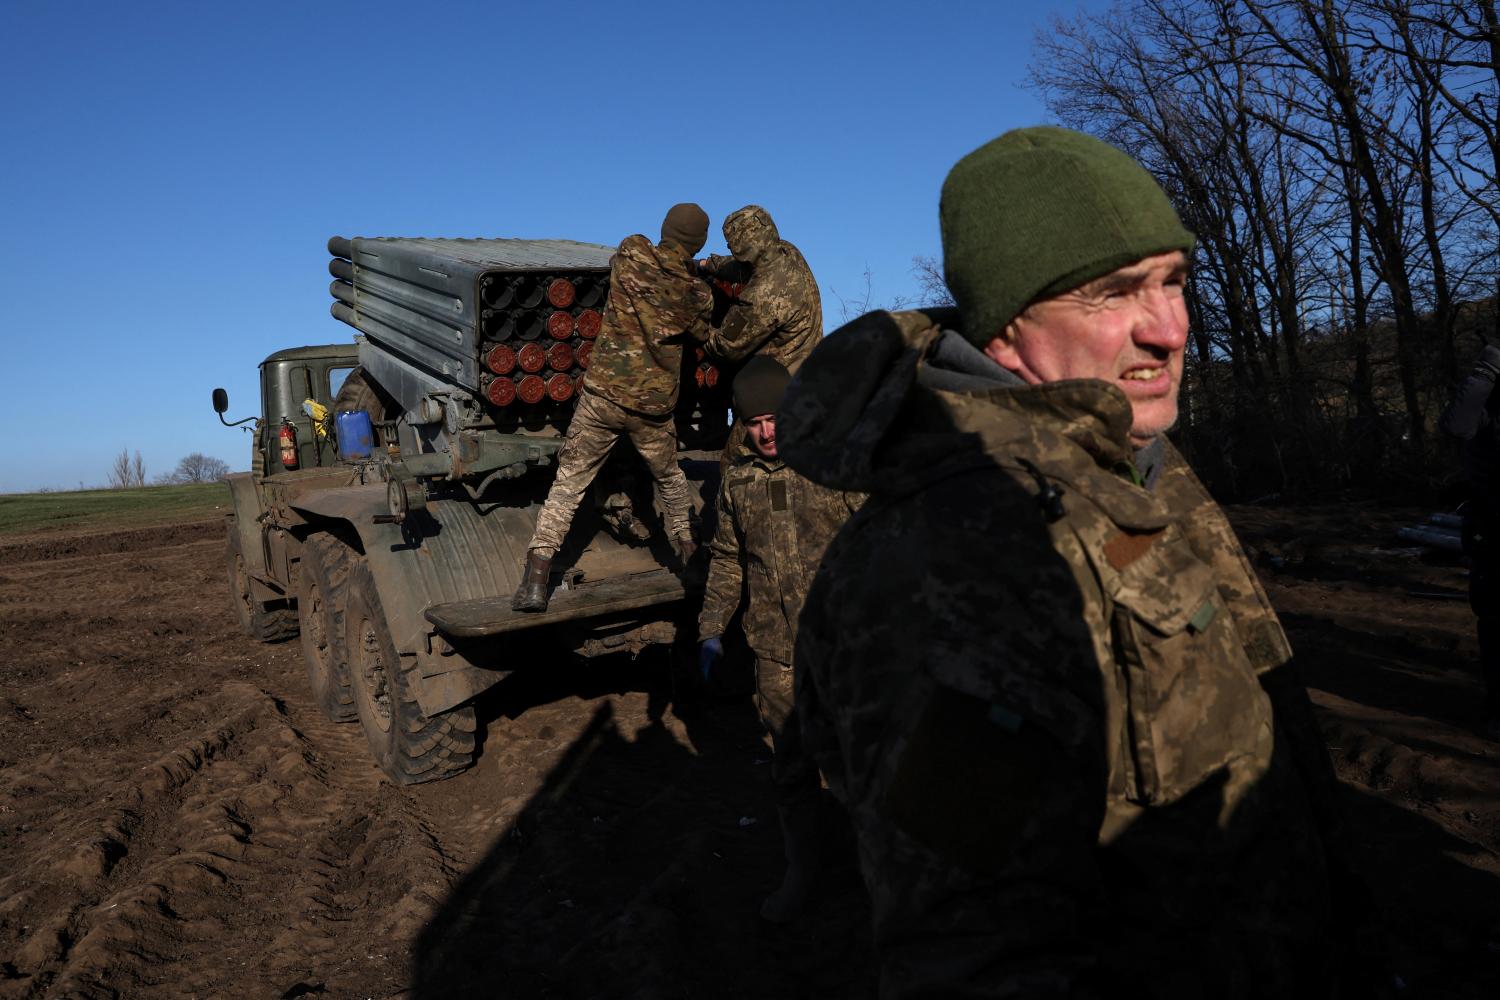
(637, 869)
(1439, 932)
(1394, 672)
(1434, 890)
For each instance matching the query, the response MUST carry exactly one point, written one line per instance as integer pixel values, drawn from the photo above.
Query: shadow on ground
(638, 868)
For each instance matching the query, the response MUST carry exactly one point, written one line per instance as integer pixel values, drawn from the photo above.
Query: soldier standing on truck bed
(1037, 666)
(656, 302)
(773, 527)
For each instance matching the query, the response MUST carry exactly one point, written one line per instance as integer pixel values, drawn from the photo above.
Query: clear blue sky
(173, 170)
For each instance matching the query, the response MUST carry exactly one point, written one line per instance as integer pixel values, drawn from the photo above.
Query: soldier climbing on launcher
(656, 302)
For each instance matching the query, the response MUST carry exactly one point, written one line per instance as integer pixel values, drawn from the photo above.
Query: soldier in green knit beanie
(1037, 666)
(1046, 232)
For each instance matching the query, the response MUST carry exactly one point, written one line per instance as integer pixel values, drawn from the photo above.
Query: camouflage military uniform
(779, 313)
(1045, 691)
(656, 302)
(772, 529)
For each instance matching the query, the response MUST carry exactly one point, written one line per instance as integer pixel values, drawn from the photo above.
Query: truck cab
(288, 379)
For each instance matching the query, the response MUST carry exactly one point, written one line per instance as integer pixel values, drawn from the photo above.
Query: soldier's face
(1128, 328)
(745, 238)
(762, 434)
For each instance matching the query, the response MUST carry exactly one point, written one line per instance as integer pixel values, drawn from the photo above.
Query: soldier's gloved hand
(702, 268)
(709, 652)
(1489, 359)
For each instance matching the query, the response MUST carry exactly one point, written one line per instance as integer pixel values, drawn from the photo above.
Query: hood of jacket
(892, 402)
(750, 233)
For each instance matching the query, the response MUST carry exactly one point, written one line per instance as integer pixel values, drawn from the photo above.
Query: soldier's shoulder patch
(1126, 547)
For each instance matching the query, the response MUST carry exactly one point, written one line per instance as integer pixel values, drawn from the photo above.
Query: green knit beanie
(1043, 210)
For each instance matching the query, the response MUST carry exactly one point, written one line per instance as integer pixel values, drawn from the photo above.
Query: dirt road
(177, 819)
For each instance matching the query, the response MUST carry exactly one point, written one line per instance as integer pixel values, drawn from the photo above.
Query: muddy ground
(176, 817)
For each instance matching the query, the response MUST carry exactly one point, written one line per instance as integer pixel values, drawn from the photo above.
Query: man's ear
(1002, 349)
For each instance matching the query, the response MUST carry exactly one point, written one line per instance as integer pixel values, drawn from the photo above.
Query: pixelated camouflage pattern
(1065, 777)
(794, 776)
(656, 304)
(596, 425)
(779, 313)
(768, 543)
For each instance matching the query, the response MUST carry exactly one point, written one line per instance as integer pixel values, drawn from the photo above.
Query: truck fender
(450, 553)
(247, 518)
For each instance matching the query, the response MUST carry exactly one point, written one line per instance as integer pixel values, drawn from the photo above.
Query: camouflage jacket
(656, 302)
(779, 312)
(1042, 692)
(772, 528)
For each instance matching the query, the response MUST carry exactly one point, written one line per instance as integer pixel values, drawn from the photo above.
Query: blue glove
(709, 652)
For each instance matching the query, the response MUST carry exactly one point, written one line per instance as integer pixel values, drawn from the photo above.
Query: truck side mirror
(221, 403)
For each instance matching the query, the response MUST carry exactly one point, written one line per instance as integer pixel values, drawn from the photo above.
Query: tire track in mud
(251, 832)
(257, 851)
(177, 818)
(37, 547)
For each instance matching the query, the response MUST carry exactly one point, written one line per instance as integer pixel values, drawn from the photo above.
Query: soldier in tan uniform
(656, 302)
(1037, 666)
(773, 526)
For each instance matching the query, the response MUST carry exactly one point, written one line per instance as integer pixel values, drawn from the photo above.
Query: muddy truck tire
(410, 746)
(322, 590)
(256, 621)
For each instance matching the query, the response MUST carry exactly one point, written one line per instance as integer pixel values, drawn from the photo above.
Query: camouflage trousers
(792, 770)
(597, 424)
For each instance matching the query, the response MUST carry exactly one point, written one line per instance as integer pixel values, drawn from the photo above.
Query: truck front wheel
(410, 746)
(321, 593)
(256, 621)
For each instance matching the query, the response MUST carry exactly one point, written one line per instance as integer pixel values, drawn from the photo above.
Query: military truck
(394, 558)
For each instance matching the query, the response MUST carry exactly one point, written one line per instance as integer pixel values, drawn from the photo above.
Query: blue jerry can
(356, 436)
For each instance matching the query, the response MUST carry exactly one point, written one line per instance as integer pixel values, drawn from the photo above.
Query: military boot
(799, 836)
(531, 595)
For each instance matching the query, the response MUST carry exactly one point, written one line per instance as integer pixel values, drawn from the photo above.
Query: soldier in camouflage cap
(1037, 666)
(656, 302)
(773, 526)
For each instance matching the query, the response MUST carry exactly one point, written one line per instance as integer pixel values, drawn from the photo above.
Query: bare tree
(199, 468)
(126, 471)
(929, 275)
(852, 308)
(1337, 163)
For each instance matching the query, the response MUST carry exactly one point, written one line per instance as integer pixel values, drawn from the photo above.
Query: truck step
(493, 615)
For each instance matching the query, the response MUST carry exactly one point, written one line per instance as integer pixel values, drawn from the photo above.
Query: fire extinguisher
(288, 439)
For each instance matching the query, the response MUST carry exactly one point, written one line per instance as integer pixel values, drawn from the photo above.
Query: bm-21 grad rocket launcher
(396, 564)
